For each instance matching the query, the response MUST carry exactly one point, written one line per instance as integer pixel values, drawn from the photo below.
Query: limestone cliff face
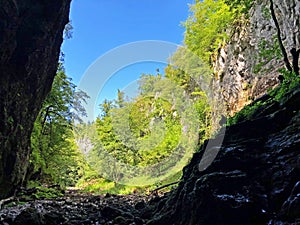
(242, 72)
(30, 40)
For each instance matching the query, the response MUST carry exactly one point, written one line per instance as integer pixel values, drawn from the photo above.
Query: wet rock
(111, 212)
(29, 216)
(253, 180)
(140, 205)
(291, 207)
(53, 218)
(121, 220)
(138, 221)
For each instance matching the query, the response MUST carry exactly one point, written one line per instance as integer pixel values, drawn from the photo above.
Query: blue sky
(102, 25)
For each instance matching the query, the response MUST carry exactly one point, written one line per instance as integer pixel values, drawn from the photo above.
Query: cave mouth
(130, 165)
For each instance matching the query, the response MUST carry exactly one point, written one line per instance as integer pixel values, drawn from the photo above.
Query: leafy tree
(206, 27)
(55, 156)
(240, 7)
(147, 83)
(139, 133)
(187, 71)
(105, 107)
(120, 101)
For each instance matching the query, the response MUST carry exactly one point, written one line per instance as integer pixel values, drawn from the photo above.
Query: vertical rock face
(30, 39)
(243, 73)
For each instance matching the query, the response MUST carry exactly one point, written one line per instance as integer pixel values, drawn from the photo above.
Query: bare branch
(282, 48)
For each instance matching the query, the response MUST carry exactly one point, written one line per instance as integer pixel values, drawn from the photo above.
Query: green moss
(266, 13)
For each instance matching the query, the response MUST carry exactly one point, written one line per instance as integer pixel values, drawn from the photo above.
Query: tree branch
(164, 186)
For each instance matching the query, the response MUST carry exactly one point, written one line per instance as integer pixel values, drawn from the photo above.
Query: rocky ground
(75, 208)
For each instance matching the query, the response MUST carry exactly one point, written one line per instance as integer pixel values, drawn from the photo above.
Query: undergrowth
(96, 185)
(290, 81)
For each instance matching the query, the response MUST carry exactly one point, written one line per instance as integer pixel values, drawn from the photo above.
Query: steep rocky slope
(30, 39)
(255, 178)
(243, 69)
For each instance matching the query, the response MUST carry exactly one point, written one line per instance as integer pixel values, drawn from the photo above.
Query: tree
(240, 7)
(120, 101)
(141, 133)
(105, 107)
(55, 157)
(206, 27)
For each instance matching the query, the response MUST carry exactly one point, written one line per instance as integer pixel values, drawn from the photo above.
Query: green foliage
(147, 84)
(188, 71)
(267, 52)
(36, 191)
(204, 112)
(55, 157)
(120, 101)
(127, 133)
(266, 13)
(206, 27)
(246, 113)
(290, 81)
(144, 132)
(240, 7)
(102, 186)
(184, 71)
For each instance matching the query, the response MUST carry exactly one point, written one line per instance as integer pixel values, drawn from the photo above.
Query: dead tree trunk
(295, 53)
(282, 48)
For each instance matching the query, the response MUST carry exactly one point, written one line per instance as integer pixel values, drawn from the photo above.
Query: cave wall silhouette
(31, 33)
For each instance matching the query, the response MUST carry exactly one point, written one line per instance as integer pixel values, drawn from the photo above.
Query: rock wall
(30, 40)
(236, 66)
(255, 178)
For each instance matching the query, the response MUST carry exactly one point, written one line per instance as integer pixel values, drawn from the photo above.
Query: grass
(103, 186)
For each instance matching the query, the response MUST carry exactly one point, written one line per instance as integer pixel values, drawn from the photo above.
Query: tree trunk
(295, 53)
(30, 39)
(282, 48)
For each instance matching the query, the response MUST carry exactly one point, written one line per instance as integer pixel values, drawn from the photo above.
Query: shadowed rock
(30, 40)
